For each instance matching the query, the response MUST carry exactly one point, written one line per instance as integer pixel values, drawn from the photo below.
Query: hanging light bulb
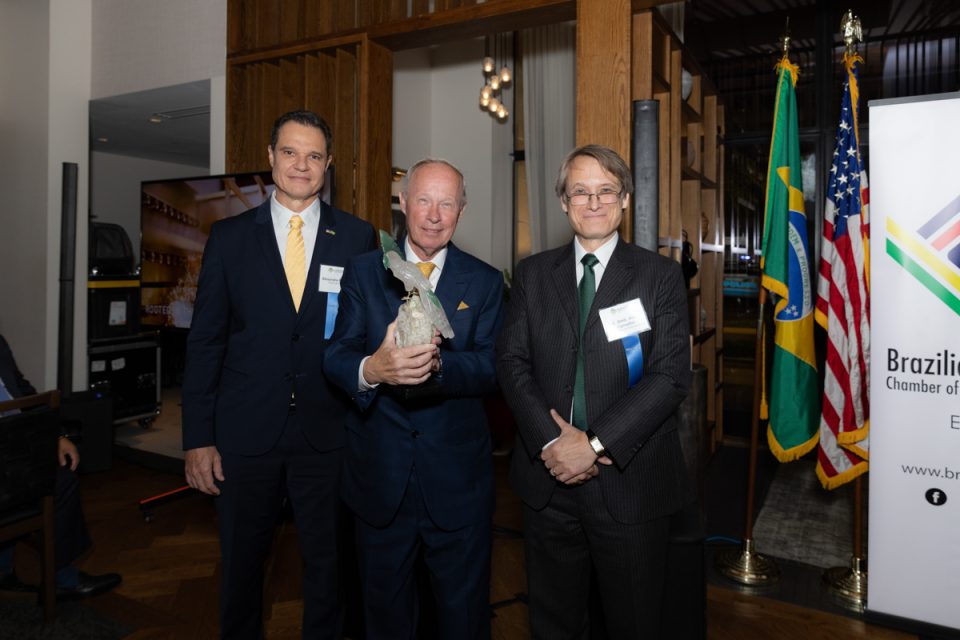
(494, 105)
(502, 112)
(484, 101)
(486, 92)
(488, 64)
(505, 74)
(495, 83)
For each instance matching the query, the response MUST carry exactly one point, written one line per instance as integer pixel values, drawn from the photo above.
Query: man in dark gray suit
(594, 359)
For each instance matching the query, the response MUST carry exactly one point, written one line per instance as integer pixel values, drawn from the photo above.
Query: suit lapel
(323, 247)
(565, 284)
(267, 239)
(453, 282)
(619, 273)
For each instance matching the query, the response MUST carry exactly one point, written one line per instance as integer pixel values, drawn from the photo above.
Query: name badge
(624, 319)
(330, 278)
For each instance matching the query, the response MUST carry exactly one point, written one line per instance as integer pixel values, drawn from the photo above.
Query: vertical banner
(914, 541)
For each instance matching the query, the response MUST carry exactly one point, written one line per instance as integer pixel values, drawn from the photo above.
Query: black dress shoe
(89, 586)
(10, 582)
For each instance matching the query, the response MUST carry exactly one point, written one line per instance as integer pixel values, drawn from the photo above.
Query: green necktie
(588, 289)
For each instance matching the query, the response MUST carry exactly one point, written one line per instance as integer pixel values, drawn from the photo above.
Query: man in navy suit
(259, 420)
(418, 471)
(70, 535)
(594, 359)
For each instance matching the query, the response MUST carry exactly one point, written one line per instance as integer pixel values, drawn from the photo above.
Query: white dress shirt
(281, 227)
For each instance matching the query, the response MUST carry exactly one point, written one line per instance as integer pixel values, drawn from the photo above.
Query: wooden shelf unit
(691, 185)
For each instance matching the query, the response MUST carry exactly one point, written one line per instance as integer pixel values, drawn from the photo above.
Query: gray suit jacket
(536, 367)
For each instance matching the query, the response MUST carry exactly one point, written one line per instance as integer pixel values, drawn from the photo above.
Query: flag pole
(848, 585)
(746, 566)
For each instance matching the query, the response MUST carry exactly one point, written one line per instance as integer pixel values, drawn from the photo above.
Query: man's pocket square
(463, 305)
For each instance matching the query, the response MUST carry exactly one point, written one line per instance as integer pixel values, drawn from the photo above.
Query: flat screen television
(175, 220)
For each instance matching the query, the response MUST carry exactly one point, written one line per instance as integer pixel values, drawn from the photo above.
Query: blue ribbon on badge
(333, 306)
(633, 351)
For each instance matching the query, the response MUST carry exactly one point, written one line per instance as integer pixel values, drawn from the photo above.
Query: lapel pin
(330, 232)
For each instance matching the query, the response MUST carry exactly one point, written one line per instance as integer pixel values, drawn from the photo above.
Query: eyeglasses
(604, 196)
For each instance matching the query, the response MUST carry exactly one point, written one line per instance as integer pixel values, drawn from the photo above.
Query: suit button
(288, 377)
(295, 337)
(414, 434)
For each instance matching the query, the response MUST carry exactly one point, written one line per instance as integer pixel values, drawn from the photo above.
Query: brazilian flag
(793, 403)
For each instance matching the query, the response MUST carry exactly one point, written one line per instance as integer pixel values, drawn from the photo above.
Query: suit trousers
(249, 504)
(574, 543)
(458, 563)
(70, 535)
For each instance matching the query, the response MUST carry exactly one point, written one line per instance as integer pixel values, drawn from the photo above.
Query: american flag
(843, 302)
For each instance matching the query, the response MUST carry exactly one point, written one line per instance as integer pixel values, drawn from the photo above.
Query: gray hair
(610, 161)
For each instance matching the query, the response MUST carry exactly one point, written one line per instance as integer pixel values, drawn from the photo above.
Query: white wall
(68, 123)
(115, 188)
(24, 35)
(145, 44)
(436, 113)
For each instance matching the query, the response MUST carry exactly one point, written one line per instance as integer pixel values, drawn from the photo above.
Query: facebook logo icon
(936, 497)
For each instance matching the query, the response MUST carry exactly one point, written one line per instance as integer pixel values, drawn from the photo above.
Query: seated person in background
(70, 529)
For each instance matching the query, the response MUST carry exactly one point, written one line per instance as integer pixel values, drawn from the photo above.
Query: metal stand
(848, 585)
(747, 566)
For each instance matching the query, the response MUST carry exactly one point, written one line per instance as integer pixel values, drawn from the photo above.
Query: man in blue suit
(418, 471)
(259, 420)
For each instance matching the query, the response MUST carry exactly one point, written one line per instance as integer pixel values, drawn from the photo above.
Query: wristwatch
(596, 444)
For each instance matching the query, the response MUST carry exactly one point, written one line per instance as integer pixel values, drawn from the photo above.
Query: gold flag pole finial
(852, 32)
(785, 39)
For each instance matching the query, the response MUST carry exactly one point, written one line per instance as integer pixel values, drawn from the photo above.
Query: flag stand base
(748, 567)
(848, 585)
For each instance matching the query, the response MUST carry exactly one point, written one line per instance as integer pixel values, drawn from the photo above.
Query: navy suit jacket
(443, 432)
(249, 349)
(537, 366)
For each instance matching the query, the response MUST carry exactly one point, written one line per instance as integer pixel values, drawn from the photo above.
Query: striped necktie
(294, 261)
(587, 289)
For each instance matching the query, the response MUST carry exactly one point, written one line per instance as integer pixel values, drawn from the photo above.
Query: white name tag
(330, 278)
(622, 320)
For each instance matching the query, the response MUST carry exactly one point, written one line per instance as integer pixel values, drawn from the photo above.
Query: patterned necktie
(294, 261)
(426, 268)
(588, 289)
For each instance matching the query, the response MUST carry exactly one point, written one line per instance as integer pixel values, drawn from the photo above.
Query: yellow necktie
(294, 262)
(426, 268)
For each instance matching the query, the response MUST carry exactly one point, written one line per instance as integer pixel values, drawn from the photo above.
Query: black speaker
(646, 173)
(87, 417)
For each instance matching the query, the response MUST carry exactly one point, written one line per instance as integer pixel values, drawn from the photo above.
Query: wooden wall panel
(603, 74)
(319, 84)
(291, 19)
(374, 157)
(345, 128)
(346, 14)
(267, 24)
(604, 80)
(292, 84)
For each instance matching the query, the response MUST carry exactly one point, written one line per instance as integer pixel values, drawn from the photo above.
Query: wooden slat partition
(376, 112)
(345, 127)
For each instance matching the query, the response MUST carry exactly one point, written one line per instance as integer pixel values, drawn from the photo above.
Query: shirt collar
(281, 215)
(439, 259)
(603, 253)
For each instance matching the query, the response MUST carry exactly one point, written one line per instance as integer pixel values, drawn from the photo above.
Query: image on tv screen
(175, 220)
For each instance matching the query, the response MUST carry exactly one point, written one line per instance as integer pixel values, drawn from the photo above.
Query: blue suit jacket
(442, 431)
(249, 349)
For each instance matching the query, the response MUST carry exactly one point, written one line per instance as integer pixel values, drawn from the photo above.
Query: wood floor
(170, 572)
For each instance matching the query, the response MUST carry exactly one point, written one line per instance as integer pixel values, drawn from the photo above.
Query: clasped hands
(570, 458)
(395, 365)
